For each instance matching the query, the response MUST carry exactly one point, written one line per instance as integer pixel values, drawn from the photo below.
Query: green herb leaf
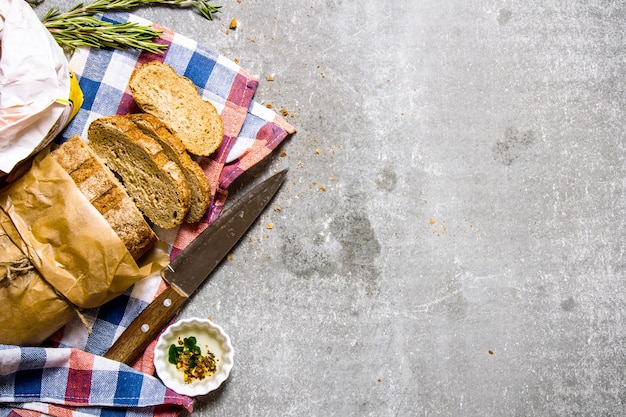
(79, 27)
(173, 353)
(189, 342)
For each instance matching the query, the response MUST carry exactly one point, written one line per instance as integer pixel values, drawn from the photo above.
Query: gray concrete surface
(451, 239)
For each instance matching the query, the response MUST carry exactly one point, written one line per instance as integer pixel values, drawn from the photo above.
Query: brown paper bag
(30, 308)
(71, 246)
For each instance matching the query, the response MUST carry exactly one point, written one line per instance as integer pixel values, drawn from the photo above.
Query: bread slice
(106, 194)
(159, 90)
(174, 148)
(154, 181)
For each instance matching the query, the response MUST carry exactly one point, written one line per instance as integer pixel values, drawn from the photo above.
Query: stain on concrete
(504, 15)
(514, 144)
(354, 232)
(334, 4)
(345, 245)
(568, 304)
(457, 307)
(305, 256)
(386, 179)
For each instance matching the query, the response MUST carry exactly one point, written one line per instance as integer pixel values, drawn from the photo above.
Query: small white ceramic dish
(206, 333)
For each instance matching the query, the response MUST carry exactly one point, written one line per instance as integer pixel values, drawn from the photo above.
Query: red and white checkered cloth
(71, 378)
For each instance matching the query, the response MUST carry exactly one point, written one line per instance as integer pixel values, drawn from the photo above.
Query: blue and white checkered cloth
(71, 378)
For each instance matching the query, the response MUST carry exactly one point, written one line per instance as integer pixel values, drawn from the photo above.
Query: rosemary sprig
(89, 31)
(79, 27)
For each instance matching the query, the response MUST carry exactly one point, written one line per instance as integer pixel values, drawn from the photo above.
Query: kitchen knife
(191, 267)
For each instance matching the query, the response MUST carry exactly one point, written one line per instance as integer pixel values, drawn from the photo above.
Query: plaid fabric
(70, 377)
(43, 379)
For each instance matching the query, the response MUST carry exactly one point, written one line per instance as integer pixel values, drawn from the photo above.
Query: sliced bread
(159, 90)
(106, 194)
(174, 148)
(154, 181)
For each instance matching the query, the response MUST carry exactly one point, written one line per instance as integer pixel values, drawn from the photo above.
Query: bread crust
(174, 99)
(154, 181)
(106, 194)
(199, 186)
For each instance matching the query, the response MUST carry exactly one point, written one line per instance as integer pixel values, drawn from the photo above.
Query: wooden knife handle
(146, 327)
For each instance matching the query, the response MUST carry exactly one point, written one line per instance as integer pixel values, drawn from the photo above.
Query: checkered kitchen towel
(71, 378)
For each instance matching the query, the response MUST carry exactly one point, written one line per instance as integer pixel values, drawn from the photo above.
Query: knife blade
(192, 267)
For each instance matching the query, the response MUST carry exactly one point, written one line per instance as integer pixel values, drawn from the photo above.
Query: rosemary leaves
(80, 27)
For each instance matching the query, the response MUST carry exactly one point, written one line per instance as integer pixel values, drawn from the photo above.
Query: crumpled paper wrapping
(30, 307)
(79, 261)
(38, 97)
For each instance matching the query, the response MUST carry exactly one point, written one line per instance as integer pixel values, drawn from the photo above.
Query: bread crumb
(236, 59)
(318, 151)
(283, 154)
(233, 24)
(269, 78)
(322, 188)
(269, 105)
(229, 256)
(433, 220)
(284, 112)
(270, 225)
(277, 208)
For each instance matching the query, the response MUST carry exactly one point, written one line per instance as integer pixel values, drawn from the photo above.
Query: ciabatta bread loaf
(154, 181)
(174, 99)
(106, 194)
(174, 148)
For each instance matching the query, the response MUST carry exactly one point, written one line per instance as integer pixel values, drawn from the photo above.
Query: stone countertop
(450, 239)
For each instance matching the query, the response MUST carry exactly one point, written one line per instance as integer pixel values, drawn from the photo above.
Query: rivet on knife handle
(147, 326)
